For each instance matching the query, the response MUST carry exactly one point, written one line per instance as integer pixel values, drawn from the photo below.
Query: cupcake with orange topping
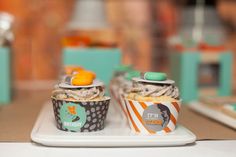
(80, 104)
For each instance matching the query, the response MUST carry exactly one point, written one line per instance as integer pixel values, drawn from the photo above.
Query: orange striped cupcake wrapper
(152, 117)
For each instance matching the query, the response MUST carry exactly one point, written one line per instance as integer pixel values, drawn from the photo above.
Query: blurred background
(141, 28)
(193, 41)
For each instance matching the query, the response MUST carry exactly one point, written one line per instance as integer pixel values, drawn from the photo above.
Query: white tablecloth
(212, 148)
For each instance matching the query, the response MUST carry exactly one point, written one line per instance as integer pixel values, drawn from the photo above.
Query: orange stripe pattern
(167, 129)
(138, 116)
(172, 118)
(144, 106)
(132, 121)
(175, 104)
(137, 109)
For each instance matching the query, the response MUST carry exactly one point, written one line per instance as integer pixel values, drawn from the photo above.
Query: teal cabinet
(5, 79)
(185, 71)
(101, 61)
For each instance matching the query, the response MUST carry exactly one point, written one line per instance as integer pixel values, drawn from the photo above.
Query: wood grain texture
(38, 29)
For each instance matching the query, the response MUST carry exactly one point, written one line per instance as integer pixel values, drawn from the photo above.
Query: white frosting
(79, 94)
(155, 90)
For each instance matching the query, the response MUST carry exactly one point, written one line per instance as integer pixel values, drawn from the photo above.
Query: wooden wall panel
(38, 28)
(39, 25)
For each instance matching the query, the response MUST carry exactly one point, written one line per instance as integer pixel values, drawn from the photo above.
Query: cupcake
(152, 103)
(118, 81)
(80, 105)
(124, 86)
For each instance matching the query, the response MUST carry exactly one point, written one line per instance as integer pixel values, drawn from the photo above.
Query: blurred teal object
(131, 74)
(226, 68)
(185, 72)
(5, 79)
(102, 61)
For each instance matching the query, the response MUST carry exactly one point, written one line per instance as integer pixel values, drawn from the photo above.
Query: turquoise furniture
(185, 71)
(5, 83)
(101, 61)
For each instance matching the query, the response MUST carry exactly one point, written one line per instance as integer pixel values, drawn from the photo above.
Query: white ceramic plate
(116, 133)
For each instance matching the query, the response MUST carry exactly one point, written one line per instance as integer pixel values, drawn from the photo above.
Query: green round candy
(234, 107)
(155, 76)
(132, 74)
(123, 68)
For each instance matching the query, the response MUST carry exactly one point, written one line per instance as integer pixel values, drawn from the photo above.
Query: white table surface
(211, 148)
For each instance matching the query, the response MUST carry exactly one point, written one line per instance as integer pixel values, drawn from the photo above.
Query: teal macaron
(132, 74)
(123, 68)
(154, 76)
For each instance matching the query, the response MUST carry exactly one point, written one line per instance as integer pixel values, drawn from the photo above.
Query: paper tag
(168, 81)
(96, 83)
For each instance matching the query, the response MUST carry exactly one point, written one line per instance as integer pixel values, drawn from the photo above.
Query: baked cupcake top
(95, 91)
(80, 87)
(153, 84)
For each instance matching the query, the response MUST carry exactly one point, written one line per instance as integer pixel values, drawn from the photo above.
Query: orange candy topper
(83, 78)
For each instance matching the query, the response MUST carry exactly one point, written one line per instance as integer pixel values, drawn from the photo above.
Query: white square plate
(116, 133)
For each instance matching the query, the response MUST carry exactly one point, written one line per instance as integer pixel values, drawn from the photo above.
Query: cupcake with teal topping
(153, 103)
(125, 85)
(118, 80)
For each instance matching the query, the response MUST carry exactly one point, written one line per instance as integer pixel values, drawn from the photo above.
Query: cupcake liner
(118, 97)
(113, 92)
(121, 101)
(77, 116)
(152, 117)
